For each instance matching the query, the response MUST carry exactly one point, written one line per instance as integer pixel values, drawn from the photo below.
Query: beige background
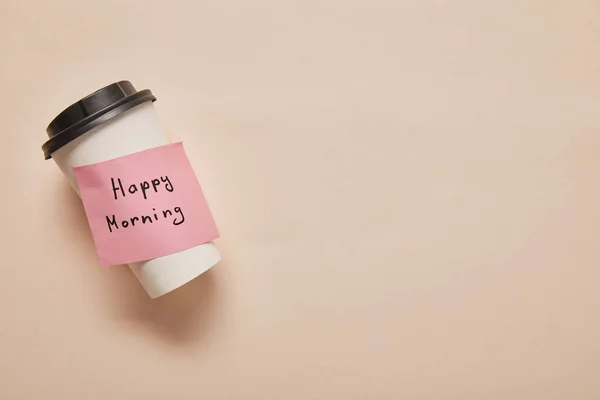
(408, 194)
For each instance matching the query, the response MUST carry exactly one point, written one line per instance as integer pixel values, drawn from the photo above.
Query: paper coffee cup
(113, 122)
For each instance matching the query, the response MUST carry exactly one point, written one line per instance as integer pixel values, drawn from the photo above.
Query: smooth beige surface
(408, 194)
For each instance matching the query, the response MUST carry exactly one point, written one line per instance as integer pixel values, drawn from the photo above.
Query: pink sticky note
(144, 205)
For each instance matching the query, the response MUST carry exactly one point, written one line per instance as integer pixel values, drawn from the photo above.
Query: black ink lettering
(120, 187)
(145, 186)
(133, 219)
(178, 210)
(155, 216)
(112, 222)
(132, 189)
(146, 218)
(167, 212)
(155, 184)
(168, 184)
(125, 224)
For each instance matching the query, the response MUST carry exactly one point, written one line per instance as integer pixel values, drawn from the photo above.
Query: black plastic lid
(91, 111)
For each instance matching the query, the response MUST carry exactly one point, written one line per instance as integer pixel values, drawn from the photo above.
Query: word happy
(144, 189)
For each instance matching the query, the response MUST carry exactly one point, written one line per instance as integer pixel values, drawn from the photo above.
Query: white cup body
(134, 130)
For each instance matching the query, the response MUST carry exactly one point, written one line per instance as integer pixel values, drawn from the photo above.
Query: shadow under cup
(112, 122)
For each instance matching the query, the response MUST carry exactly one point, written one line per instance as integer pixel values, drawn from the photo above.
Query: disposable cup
(112, 122)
